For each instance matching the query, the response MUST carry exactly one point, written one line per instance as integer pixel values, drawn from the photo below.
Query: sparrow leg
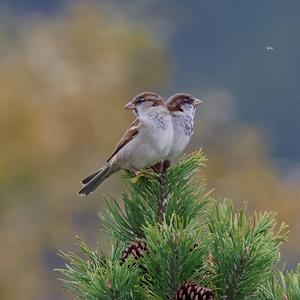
(158, 168)
(166, 165)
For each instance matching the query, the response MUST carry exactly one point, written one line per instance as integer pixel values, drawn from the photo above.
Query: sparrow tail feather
(90, 177)
(106, 171)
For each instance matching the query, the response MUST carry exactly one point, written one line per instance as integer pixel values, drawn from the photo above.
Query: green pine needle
(185, 192)
(188, 237)
(245, 250)
(175, 256)
(98, 277)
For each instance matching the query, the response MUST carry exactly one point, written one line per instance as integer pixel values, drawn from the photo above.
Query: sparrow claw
(142, 173)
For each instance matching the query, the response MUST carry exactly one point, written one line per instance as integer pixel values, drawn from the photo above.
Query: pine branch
(283, 285)
(101, 278)
(245, 250)
(187, 193)
(152, 197)
(162, 197)
(175, 255)
(163, 190)
(175, 242)
(290, 282)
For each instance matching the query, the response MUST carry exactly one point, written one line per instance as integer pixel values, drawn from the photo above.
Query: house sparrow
(147, 141)
(182, 108)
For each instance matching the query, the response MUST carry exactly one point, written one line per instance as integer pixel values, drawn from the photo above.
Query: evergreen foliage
(100, 277)
(245, 250)
(175, 236)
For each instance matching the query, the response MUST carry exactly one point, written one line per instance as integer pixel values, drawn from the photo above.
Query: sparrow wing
(129, 135)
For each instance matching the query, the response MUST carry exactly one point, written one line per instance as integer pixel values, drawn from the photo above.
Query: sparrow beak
(197, 102)
(129, 106)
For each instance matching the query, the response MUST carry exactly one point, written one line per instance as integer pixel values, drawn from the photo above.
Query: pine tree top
(169, 234)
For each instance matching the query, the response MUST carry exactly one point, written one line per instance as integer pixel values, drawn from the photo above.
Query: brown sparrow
(147, 141)
(182, 108)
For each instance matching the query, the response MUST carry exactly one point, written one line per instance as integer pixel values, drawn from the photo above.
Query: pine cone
(192, 291)
(135, 249)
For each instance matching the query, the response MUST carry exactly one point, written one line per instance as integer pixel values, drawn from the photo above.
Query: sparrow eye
(189, 100)
(139, 100)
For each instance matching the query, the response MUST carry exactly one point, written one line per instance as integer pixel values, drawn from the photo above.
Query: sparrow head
(143, 101)
(184, 103)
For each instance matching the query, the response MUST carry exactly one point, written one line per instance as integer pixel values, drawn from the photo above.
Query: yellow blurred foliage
(63, 86)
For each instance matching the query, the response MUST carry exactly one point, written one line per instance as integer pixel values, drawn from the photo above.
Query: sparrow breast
(183, 130)
(162, 133)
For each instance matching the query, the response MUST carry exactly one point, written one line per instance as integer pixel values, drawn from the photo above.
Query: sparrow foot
(142, 173)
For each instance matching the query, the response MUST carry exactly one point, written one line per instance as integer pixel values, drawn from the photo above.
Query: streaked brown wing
(129, 135)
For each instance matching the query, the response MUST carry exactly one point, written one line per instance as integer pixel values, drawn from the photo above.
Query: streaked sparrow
(182, 108)
(147, 141)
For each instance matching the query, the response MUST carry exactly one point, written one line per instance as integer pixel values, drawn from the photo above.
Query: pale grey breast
(159, 120)
(187, 125)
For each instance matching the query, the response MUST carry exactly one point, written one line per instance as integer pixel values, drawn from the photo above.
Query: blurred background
(68, 67)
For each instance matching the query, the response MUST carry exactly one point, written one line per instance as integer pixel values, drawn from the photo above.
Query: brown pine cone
(192, 291)
(135, 249)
